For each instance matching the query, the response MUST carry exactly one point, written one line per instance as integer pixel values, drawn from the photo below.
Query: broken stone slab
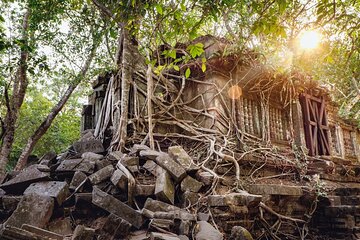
(190, 184)
(102, 175)
(203, 216)
(48, 158)
(90, 145)
(61, 226)
(242, 198)
(173, 168)
(115, 206)
(182, 157)
(90, 156)
(150, 154)
(26, 177)
(240, 233)
(57, 190)
(115, 227)
(77, 179)
(207, 232)
(166, 224)
(115, 155)
(176, 214)
(32, 207)
(275, 189)
(144, 190)
(83, 233)
(73, 165)
(163, 236)
(164, 187)
(42, 232)
(129, 161)
(184, 228)
(119, 179)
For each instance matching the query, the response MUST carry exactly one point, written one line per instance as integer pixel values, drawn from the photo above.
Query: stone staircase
(338, 214)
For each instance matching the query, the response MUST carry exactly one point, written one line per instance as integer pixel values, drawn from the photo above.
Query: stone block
(119, 179)
(164, 187)
(190, 184)
(144, 190)
(205, 177)
(26, 177)
(182, 157)
(173, 168)
(189, 198)
(151, 167)
(91, 145)
(155, 205)
(61, 226)
(57, 190)
(150, 154)
(101, 175)
(137, 148)
(9, 203)
(275, 189)
(73, 165)
(32, 207)
(203, 216)
(115, 156)
(90, 156)
(240, 233)
(166, 224)
(83, 233)
(77, 179)
(99, 164)
(116, 228)
(184, 228)
(205, 231)
(162, 236)
(129, 161)
(42, 232)
(120, 209)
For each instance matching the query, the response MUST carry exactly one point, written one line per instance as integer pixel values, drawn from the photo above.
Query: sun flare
(310, 39)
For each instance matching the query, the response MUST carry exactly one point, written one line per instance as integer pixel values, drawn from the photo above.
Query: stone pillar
(298, 124)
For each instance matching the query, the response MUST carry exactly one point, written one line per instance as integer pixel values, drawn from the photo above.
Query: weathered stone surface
(120, 209)
(57, 190)
(90, 156)
(189, 198)
(151, 166)
(9, 203)
(32, 207)
(239, 199)
(155, 205)
(240, 233)
(91, 145)
(137, 148)
(205, 177)
(129, 161)
(164, 187)
(190, 184)
(275, 189)
(150, 154)
(83, 233)
(99, 164)
(47, 158)
(119, 179)
(184, 227)
(166, 224)
(144, 190)
(182, 157)
(61, 226)
(162, 236)
(176, 214)
(42, 232)
(207, 232)
(173, 168)
(21, 181)
(77, 179)
(115, 155)
(72, 165)
(14, 233)
(115, 227)
(101, 175)
(203, 216)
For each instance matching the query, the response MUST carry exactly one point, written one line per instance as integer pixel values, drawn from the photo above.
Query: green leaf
(183, 7)
(203, 67)
(187, 73)
(176, 68)
(159, 9)
(172, 53)
(196, 50)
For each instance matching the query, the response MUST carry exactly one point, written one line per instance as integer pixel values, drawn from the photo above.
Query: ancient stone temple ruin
(240, 152)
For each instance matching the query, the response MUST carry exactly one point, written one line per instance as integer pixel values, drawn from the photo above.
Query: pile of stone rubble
(143, 194)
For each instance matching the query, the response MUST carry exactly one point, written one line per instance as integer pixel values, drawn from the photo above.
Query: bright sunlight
(310, 39)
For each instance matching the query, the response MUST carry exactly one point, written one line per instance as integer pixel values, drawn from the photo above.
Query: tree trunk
(44, 126)
(14, 102)
(126, 76)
